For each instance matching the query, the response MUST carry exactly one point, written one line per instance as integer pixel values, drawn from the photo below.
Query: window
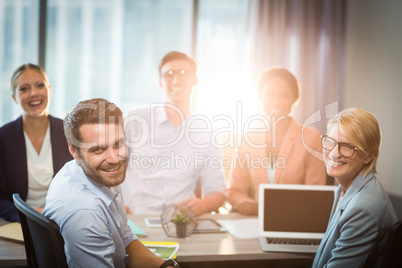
(112, 49)
(19, 28)
(223, 59)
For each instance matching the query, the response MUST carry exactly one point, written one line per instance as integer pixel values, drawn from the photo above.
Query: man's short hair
(93, 111)
(175, 55)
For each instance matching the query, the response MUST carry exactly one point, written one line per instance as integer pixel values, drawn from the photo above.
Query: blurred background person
(170, 168)
(33, 147)
(362, 214)
(278, 153)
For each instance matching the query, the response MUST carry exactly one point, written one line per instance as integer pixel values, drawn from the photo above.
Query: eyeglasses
(345, 149)
(182, 74)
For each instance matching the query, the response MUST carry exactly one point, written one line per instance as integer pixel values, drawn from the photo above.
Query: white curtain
(307, 37)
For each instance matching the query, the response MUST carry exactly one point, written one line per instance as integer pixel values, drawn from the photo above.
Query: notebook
(293, 218)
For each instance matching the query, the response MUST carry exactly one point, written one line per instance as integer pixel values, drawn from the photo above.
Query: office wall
(374, 80)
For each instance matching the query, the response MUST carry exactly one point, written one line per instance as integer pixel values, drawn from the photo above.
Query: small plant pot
(178, 221)
(181, 229)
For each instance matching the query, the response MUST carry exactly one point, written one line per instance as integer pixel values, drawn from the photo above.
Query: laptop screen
(295, 208)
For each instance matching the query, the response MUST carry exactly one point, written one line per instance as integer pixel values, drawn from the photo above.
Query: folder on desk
(163, 249)
(135, 229)
(12, 231)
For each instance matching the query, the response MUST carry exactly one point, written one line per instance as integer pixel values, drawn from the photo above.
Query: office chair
(44, 244)
(393, 251)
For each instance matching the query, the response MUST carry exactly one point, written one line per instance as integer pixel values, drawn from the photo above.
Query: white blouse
(40, 171)
(271, 172)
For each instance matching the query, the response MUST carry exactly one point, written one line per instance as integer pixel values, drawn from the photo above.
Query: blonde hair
(361, 128)
(22, 69)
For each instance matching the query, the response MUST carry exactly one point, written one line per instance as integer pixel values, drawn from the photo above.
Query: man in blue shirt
(84, 198)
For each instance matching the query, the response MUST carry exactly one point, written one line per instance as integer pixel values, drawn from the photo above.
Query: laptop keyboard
(292, 241)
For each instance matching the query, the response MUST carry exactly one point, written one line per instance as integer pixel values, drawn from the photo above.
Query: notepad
(163, 249)
(12, 231)
(136, 230)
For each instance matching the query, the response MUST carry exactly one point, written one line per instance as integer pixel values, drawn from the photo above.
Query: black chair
(393, 250)
(44, 244)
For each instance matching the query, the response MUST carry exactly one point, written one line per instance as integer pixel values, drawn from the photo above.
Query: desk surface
(11, 253)
(197, 248)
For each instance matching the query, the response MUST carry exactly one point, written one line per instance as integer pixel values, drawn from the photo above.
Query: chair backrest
(44, 244)
(393, 251)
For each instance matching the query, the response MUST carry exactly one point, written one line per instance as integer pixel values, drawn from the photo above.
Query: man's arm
(209, 203)
(213, 186)
(87, 240)
(141, 256)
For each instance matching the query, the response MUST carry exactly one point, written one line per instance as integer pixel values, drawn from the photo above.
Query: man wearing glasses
(170, 148)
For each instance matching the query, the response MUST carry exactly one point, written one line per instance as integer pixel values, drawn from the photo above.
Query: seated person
(279, 154)
(33, 147)
(84, 198)
(169, 155)
(362, 214)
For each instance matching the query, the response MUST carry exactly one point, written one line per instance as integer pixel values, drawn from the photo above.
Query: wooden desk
(198, 250)
(222, 249)
(12, 254)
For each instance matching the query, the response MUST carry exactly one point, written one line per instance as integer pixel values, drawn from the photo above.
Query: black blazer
(13, 162)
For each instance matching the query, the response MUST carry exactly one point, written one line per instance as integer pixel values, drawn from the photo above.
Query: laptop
(293, 218)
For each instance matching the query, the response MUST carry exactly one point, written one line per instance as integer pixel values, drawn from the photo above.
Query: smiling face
(32, 93)
(343, 169)
(277, 97)
(178, 79)
(103, 153)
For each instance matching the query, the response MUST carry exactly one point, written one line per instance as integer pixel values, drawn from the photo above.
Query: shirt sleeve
(212, 174)
(359, 233)
(239, 180)
(88, 240)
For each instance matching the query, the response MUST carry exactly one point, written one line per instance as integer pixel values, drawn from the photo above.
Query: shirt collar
(357, 184)
(161, 115)
(100, 190)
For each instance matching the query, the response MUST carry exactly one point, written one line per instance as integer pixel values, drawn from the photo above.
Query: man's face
(103, 153)
(178, 79)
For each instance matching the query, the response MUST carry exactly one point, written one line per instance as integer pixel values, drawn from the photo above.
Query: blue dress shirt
(358, 227)
(91, 217)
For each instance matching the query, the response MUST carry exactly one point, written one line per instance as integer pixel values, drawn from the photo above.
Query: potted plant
(180, 219)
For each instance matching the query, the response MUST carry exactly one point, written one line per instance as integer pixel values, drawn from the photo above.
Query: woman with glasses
(33, 147)
(281, 151)
(362, 213)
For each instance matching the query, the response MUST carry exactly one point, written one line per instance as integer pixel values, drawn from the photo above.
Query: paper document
(163, 249)
(12, 231)
(244, 228)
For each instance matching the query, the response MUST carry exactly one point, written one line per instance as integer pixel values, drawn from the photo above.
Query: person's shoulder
(56, 123)
(371, 197)
(252, 140)
(54, 119)
(305, 134)
(139, 111)
(11, 126)
(68, 193)
(307, 130)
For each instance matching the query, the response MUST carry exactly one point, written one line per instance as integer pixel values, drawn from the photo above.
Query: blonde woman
(362, 213)
(33, 147)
